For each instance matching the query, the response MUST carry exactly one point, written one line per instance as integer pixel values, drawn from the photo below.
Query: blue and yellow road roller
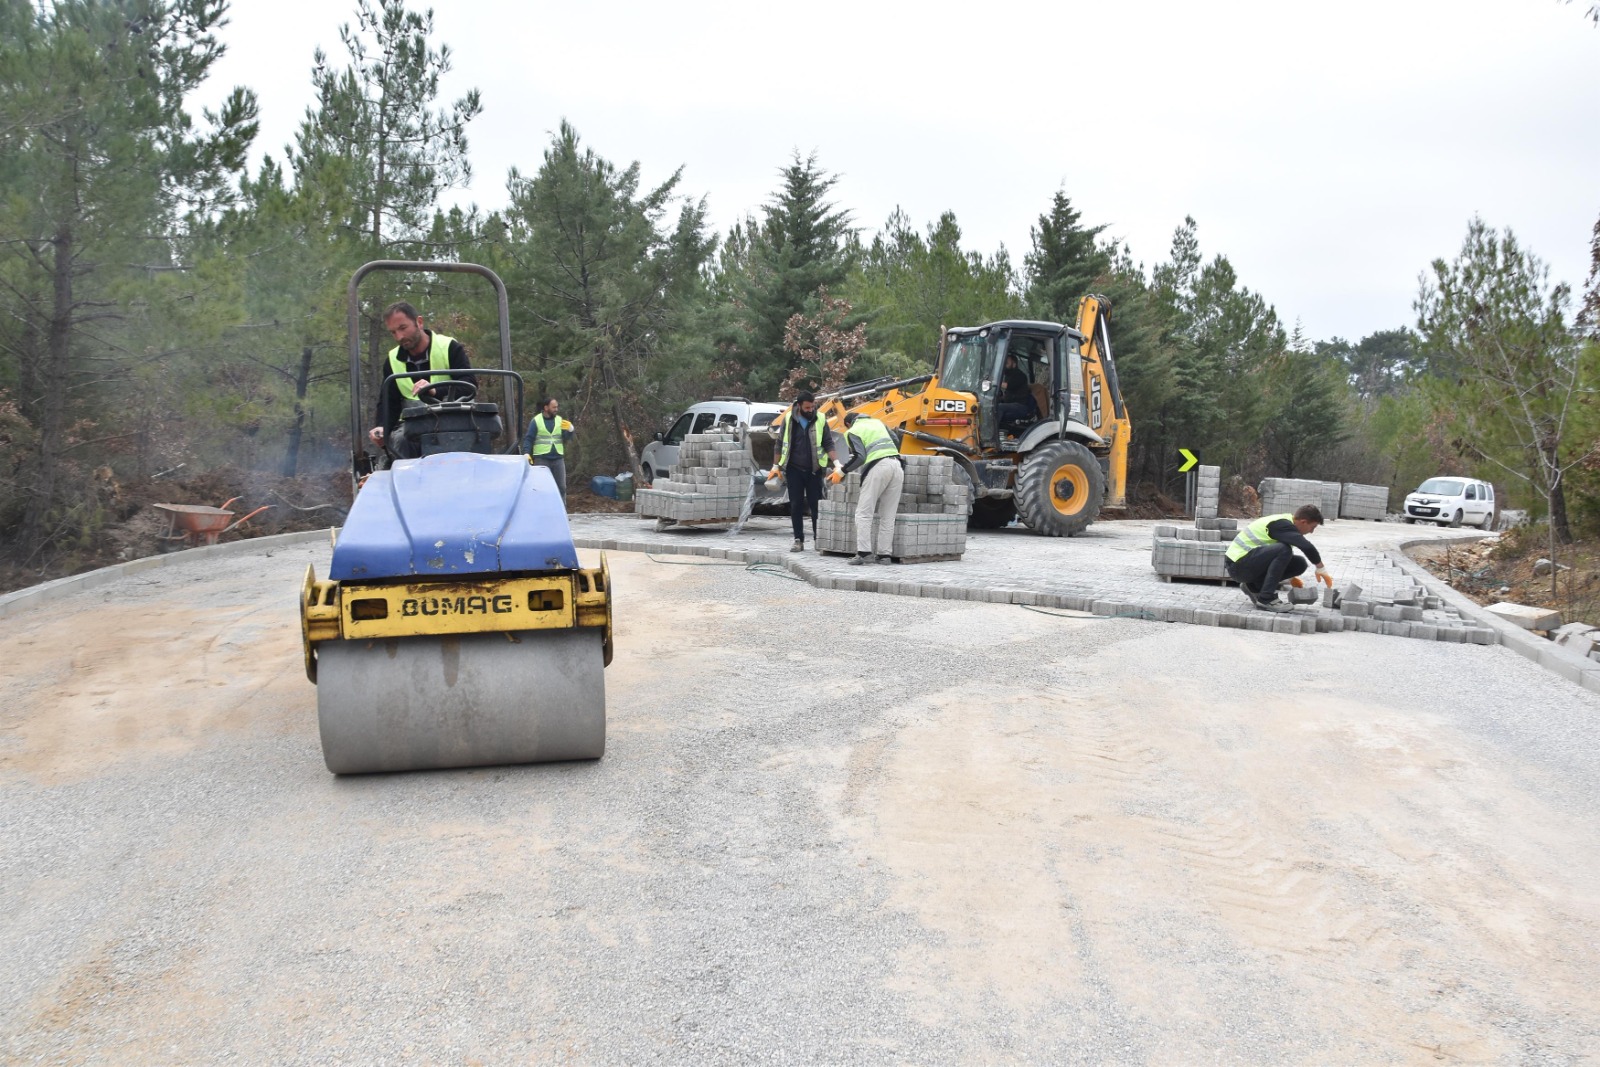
(456, 627)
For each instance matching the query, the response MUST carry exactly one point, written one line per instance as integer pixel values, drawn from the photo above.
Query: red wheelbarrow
(196, 524)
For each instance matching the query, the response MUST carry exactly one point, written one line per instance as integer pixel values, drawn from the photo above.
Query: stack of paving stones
(1208, 492)
(1364, 502)
(1411, 612)
(1279, 495)
(1197, 551)
(930, 525)
(708, 484)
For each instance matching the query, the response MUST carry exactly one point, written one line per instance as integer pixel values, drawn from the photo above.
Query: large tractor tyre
(1060, 489)
(991, 513)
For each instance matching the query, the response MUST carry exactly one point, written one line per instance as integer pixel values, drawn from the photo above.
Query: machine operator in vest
(417, 348)
(1263, 554)
(807, 452)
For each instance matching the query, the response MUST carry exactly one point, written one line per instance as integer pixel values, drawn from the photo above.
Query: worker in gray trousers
(875, 452)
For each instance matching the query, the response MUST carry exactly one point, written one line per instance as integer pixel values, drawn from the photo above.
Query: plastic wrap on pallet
(1358, 501)
(1280, 495)
(708, 484)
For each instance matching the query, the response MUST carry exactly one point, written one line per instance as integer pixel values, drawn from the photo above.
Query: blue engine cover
(455, 513)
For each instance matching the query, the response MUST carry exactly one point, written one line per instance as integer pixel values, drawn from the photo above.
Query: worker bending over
(1262, 555)
(873, 449)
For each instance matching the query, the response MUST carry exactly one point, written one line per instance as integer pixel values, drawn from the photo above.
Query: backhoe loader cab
(974, 360)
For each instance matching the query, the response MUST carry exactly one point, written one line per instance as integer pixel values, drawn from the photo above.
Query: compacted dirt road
(829, 827)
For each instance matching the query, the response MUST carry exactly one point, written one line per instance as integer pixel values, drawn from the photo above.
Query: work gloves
(1324, 577)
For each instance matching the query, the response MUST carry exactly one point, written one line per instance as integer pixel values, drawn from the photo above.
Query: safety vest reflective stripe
(817, 425)
(1254, 536)
(438, 359)
(547, 436)
(875, 439)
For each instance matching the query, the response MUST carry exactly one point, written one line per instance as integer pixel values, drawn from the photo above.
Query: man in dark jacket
(1262, 555)
(805, 447)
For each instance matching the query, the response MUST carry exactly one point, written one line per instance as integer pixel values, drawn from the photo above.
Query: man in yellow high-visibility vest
(1262, 555)
(875, 452)
(807, 452)
(417, 348)
(546, 442)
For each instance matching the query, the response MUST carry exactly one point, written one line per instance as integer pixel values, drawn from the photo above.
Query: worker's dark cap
(849, 420)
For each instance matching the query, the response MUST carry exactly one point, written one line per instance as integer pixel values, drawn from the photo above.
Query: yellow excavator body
(1031, 411)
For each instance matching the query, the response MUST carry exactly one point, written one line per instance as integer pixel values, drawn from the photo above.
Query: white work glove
(1324, 577)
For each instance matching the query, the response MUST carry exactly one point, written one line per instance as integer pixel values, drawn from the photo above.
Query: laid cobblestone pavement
(1104, 571)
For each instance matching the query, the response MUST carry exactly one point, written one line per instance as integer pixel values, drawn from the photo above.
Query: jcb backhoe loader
(1055, 462)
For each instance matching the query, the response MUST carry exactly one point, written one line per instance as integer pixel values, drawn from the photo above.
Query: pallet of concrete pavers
(1280, 495)
(707, 486)
(930, 523)
(1364, 502)
(1192, 551)
(1208, 491)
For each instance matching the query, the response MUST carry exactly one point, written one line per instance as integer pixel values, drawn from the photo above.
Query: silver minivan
(1451, 501)
(659, 455)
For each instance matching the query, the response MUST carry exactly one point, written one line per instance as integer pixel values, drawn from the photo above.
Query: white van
(1451, 501)
(662, 453)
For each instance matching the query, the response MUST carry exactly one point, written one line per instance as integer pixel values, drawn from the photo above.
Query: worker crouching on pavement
(805, 446)
(873, 449)
(546, 442)
(1262, 555)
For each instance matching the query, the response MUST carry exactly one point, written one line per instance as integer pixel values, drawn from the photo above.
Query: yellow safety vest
(438, 359)
(818, 424)
(547, 439)
(1254, 536)
(875, 438)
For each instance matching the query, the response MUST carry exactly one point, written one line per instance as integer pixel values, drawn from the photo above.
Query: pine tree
(375, 131)
(101, 163)
(605, 270)
(800, 247)
(911, 284)
(1065, 262)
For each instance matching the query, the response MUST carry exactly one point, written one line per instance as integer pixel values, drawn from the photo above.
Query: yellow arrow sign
(1188, 459)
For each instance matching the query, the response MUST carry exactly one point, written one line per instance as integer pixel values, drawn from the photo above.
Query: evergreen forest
(172, 302)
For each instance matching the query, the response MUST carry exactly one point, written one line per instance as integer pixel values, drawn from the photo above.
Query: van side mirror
(659, 435)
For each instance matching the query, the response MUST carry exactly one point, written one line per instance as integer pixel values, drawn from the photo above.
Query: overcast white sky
(1330, 150)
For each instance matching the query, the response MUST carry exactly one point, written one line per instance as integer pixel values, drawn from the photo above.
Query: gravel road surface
(830, 827)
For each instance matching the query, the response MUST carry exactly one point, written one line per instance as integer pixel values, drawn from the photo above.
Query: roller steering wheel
(450, 391)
